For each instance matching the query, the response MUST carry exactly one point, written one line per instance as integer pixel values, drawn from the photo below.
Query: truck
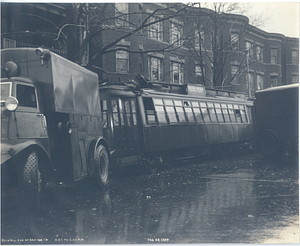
(50, 122)
(277, 124)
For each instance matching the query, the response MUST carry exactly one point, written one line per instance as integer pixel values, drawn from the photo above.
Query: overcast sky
(277, 17)
(281, 17)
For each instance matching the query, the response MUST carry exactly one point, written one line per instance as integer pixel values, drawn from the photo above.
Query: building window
(155, 68)
(9, 43)
(273, 81)
(155, 30)
(234, 38)
(235, 74)
(249, 49)
(176, 32)
(295, 79)
(176, 73)
(122, 61)
(259, 53)
(295, 58)
(121, 14)
(260, 81)
(199, 39)
(274, 56)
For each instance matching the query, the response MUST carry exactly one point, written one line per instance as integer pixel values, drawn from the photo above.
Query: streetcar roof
(149, 93)
(279, 88)
(131, 91)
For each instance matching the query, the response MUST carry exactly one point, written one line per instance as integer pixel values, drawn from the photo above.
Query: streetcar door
(125, 129)
(130, 129)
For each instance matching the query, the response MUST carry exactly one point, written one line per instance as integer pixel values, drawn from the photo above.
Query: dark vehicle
(276, 113)
(167, 122)
(50, 120)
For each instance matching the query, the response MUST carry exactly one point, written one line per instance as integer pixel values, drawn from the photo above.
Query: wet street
(244, 199)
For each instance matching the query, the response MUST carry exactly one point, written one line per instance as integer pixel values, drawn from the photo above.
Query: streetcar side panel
(194, 123)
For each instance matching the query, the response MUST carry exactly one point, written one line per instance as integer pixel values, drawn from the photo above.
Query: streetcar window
(244, 117)
(121, 112)
(238, 115)
(219, 115)
(212, 112)
(180, 114)
(168, 102)
(127, 112)
(133, 111)
(226, 115)
(203, 105)
(219, 112)
(171, 114)
(225, 112)
(104, 113)
(243, 114)
(198, 115)
(189, 115)
(235, 106)
(178, 103)
(150, 111)
(114, 107)
(197, 112)
(212, 115)
(170, 111)
(210, 105)
(205, 113)
(231, 114)
(157, 101)
(195, 104)
(160, 112)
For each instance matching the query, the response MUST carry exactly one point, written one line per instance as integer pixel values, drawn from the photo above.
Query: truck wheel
(269, 145)
(102, 165)
(31, 180)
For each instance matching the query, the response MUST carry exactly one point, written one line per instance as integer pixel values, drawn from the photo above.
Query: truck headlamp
(12, 69)
(11, 103)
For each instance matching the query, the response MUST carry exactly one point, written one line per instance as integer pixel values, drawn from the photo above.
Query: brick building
(179, 47)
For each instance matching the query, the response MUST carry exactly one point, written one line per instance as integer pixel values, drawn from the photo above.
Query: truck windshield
(5, 91)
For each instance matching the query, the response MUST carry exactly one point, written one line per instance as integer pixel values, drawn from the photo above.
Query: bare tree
(88, 23)
(215, 41)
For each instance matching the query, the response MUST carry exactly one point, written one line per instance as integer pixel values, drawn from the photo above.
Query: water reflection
(184, 205)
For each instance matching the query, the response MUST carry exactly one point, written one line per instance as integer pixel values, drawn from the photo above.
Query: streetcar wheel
(269, 145)
(31, 180)
(102, 165)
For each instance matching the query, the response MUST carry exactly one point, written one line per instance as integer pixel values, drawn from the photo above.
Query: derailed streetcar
(160, 123)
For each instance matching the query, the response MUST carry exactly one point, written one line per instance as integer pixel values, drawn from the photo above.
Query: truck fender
(13, 148)
(19, 150)
(94, 143)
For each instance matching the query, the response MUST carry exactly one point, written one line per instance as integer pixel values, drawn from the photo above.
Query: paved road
(245, 199)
